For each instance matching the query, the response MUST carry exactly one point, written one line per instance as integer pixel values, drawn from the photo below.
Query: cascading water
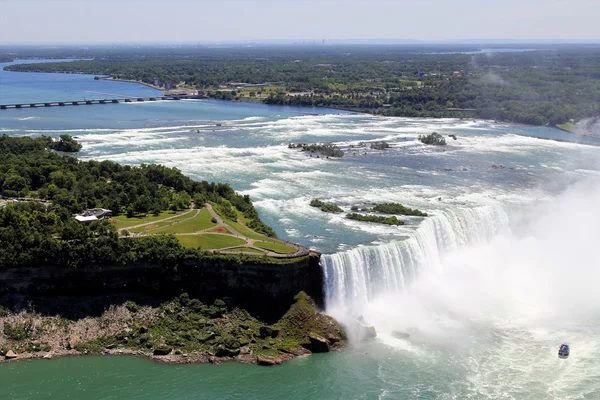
(355, 276)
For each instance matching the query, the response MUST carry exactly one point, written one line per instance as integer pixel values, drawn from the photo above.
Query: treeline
(533, 87)
(33, 233)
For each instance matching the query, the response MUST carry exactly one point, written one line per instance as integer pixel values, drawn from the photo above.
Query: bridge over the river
(96, 101)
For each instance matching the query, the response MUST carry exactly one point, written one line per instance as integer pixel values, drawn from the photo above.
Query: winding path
(250, 243)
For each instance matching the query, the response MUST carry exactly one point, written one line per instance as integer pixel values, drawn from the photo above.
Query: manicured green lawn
(567, 127)
(247, 250)
(209, 241)
(249, 233)
(241, 217)
(276, 247)
(124, 222)
(200, 222)
(155, 227)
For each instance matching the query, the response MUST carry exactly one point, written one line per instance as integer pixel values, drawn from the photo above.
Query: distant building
(168, 85)
(155, 82)
(92, 214)
(85, 220)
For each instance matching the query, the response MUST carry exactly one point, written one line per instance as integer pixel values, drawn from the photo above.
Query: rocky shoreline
(180, 331)
(245, 356)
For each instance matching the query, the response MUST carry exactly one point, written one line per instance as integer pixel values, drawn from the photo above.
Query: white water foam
(494, 301)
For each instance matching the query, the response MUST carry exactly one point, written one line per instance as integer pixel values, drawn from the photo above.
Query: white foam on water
(498, 300)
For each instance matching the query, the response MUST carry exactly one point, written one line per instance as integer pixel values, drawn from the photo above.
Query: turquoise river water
(487, 287)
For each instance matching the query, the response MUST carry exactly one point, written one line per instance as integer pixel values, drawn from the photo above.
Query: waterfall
(354, 276)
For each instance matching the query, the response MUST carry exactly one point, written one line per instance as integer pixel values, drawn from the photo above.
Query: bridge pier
(60, 103)
(140, 99)
(127, 100)
(115, 101)
(47, 104)
(32, 105)
(88, 102)
(2, 107)
(101, 101)
(18, 106)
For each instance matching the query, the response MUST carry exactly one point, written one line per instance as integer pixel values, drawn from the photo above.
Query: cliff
(263, 289)
(254, 313)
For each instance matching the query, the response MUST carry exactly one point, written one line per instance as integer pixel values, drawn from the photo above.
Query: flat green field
(123, 222)
(247, 250)
(198, 223)
(154, 228)
(209, 241)
(276, 247)
(569, 127)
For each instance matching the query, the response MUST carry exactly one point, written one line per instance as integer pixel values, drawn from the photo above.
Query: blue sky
(87, 21)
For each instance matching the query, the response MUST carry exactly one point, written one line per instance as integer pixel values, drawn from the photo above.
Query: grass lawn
(124, 222)
(200, 222)
(209, 241)
(155, 227)
(241, 217)
(276, 247)
(247, 250)
(249, 233)
(569, 127)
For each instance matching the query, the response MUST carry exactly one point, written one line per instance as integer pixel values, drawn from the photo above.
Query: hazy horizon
(297, 21)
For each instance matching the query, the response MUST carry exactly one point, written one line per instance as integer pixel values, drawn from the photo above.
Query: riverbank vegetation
(546, 86)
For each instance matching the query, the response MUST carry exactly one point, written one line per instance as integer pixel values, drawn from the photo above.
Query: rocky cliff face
(265, 290)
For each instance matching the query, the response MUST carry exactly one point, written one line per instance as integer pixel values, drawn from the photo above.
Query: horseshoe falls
(360, 274)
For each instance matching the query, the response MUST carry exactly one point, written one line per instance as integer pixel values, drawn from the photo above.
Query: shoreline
(245, 356)
(110, 79)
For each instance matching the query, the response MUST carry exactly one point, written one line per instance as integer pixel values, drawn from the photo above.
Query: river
(484, 290)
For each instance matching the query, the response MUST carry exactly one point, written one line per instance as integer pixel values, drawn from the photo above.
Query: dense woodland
(547, 86)
(34, 233)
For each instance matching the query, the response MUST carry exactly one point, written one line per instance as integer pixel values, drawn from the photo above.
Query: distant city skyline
(160, 21)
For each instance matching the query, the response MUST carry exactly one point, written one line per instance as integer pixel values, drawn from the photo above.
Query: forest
(36, 232)
(546, 86)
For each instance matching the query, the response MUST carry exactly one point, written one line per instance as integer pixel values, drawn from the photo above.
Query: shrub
(433, 139)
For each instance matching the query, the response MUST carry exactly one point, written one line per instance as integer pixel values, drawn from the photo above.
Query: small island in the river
(325, 149)
(382, 208)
